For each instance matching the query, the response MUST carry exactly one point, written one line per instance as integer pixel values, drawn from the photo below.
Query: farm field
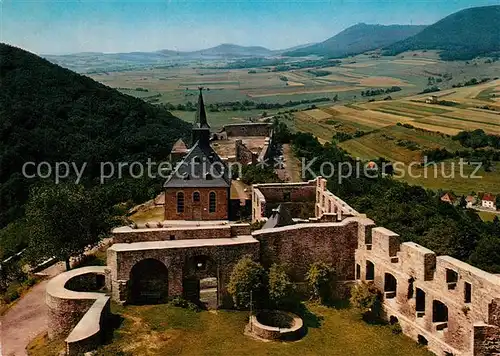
(177, 85)
(376, 115)
(167, 330)
(489, 181)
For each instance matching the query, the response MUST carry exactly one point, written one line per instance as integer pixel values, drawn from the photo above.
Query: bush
(366, 299)
(246, 283)
(319, 278)
(281, 288)
(183, 303)
(11, 295)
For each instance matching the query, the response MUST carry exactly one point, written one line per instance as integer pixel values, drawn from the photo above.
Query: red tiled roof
(489, 197)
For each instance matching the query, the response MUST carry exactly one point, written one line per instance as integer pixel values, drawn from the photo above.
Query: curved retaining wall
(77, 313)
(274, 333)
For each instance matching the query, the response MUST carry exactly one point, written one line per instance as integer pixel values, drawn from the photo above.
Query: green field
(489, 181)
(166, 330)
(177, 85)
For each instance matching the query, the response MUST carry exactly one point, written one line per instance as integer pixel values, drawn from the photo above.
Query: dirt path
(27, 318)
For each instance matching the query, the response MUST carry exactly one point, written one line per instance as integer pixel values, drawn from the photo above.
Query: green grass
(143, 216)
(166, 330)
(487, 216)
(376, 145)
(486, 95)
(490, 181)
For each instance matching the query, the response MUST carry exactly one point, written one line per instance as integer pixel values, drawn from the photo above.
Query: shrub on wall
(246, 283)
(319, 278)
(281, 288)
(366, 298)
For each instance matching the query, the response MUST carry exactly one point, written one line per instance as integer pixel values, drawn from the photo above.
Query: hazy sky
(68, 26)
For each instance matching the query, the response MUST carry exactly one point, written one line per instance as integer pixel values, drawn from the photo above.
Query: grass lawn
(167, 330)
(489, 181)
(143, 216)
(384, 143)
(487, 216)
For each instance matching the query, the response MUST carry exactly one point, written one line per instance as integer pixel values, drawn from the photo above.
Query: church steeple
(201, 116)
(201, 129)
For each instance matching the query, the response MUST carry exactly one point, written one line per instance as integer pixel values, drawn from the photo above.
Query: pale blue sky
(68, 26)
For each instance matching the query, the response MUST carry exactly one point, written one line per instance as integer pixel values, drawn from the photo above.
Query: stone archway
(148, 282)
(201, 281)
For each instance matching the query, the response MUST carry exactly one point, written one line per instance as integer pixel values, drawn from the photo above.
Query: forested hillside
(358, 39)
(463, 35)
(413, 212)
(48, 113)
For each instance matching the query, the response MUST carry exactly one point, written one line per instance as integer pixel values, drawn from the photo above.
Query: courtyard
(167, 330)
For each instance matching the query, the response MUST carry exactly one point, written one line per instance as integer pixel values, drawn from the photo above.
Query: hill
(48, 113)
(463, 35)
(231, 51)
(358, 39)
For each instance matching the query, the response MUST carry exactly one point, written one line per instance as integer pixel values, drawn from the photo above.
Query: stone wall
(224, 253)
(273, 194)
(196, 210)
(424, 284)
(300, 245)
(243, 155)
(80, 312)
(127, 234)
(248, 129)
(267, 196)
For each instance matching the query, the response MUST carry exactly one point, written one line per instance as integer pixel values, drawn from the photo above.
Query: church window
(180, 202)
(212, 204)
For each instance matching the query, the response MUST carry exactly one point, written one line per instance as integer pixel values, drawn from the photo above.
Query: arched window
(208, 176)
(212, 202)
(196, 197)
(180, 202)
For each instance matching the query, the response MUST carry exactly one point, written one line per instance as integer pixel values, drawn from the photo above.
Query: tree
(366, 299)
(281, 288)
(319, 278)
(63, 220)
(247, 279)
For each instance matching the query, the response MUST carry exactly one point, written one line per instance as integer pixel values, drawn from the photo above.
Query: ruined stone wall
(327, 203)
(247, 129)
(300, 245)
(243, 154)
(268, 196)
(121, 260)
(468, 293)
(127, 234)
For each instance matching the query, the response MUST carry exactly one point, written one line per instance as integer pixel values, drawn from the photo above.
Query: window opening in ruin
(467, 292)
(422, 340)
(390, 286)
(410, 287)
(451, 278)
(358, 271)
(196, 197)
(370, 271)
(439, 312)
(420, 302)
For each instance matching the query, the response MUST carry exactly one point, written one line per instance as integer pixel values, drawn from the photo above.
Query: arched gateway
(148, 282)
(201, 281)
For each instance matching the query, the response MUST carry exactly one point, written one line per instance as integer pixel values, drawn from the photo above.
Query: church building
(199, 186)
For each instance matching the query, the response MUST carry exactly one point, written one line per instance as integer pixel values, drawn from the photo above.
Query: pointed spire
(201, 116)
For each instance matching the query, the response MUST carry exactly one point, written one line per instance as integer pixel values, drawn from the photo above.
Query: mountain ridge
(358, 39)
(462, 35)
